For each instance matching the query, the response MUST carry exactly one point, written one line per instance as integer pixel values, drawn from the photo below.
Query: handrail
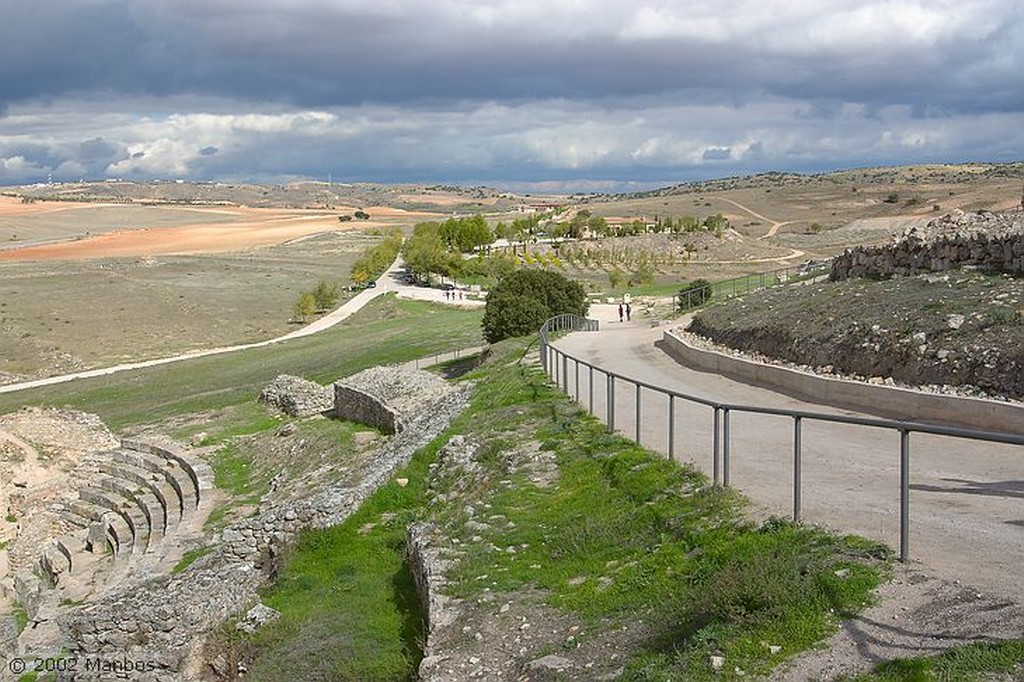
(563, 322)
(722, 411)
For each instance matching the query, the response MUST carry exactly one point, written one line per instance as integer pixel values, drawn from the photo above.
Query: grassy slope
(688, 559)
(388, 330)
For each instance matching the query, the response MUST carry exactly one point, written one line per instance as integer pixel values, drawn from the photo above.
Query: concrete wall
(358, 406)
(884, 401)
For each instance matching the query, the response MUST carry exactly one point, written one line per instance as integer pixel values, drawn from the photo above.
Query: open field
(63, 316)
(77, 231)
(387, 330)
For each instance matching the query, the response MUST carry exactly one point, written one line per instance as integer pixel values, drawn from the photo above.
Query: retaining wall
(884, 401)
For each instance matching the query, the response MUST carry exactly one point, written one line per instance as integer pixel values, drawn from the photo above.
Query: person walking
(629, 312)
(620, 312)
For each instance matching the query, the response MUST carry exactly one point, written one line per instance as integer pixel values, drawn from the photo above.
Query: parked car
(448, 286)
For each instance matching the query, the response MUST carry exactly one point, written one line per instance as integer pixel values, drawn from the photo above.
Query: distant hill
(924, 174)
(440, 198)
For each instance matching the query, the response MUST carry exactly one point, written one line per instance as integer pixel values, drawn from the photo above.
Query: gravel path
(967, 517)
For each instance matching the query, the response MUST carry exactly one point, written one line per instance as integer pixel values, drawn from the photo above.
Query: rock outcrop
(988, 241)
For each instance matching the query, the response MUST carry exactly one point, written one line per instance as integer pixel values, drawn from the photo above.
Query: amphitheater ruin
(97, 526)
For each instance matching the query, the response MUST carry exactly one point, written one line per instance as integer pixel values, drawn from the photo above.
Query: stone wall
(355, 405)
(987, 241)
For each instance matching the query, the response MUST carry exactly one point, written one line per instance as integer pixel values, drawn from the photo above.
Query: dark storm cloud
(472, 88)
(321, 54)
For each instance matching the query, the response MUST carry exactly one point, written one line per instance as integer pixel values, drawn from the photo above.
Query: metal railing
(744, 284)
(563, 323)
(556, 364)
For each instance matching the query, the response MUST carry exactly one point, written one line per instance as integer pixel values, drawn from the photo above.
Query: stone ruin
(987, 241)
(92, 566)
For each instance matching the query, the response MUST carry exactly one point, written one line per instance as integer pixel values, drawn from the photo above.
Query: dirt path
(963, 583)
(389, 282)
(775, 224)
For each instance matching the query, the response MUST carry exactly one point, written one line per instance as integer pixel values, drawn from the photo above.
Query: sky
(556, 95)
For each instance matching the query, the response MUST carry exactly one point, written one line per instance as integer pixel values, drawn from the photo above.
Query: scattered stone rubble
(298, 397)
(987, 241)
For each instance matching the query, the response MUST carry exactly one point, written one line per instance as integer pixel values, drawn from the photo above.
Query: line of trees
(378, 258)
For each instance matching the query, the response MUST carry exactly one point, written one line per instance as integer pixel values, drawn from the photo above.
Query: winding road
(775, 224)
(967, 498)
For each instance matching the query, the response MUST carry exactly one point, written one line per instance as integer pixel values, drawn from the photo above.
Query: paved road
(967, 499)
(389, 282)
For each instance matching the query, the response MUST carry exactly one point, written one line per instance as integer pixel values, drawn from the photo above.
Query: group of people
(628, 310)
(450, 295)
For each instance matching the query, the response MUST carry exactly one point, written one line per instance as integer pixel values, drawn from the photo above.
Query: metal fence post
(611, 403)
(796, 468)
(714, 447)
(638, 414)
(671, 426)
(565, 374)
(576, 377)
(725, 447)
(590, 388)
(904, 495)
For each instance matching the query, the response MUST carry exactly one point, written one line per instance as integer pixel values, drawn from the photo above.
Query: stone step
(56, 561)
(175, 460)
(141, 501)
(138, 460)
(118, 532)
(157, 489)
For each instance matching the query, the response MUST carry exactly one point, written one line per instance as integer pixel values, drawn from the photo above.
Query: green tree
(325, 294)
(694, 294)
(520, 303)
(305, 306)
(644, 274)
(615, 278)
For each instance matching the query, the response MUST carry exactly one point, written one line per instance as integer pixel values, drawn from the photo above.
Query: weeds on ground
(980, 661)
(625, 535)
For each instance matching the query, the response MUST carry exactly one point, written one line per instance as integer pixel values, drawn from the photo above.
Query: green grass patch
(387, 330)
(626, 536)
(979, 661)
(349, 607)
(189, 558)
(20, 617)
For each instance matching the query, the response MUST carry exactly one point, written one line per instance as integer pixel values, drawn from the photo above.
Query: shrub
(523, 299)
(694, 294)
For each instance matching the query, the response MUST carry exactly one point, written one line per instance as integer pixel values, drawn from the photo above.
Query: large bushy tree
(522, 300)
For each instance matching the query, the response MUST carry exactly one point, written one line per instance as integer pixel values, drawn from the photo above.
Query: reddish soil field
(241, 228)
